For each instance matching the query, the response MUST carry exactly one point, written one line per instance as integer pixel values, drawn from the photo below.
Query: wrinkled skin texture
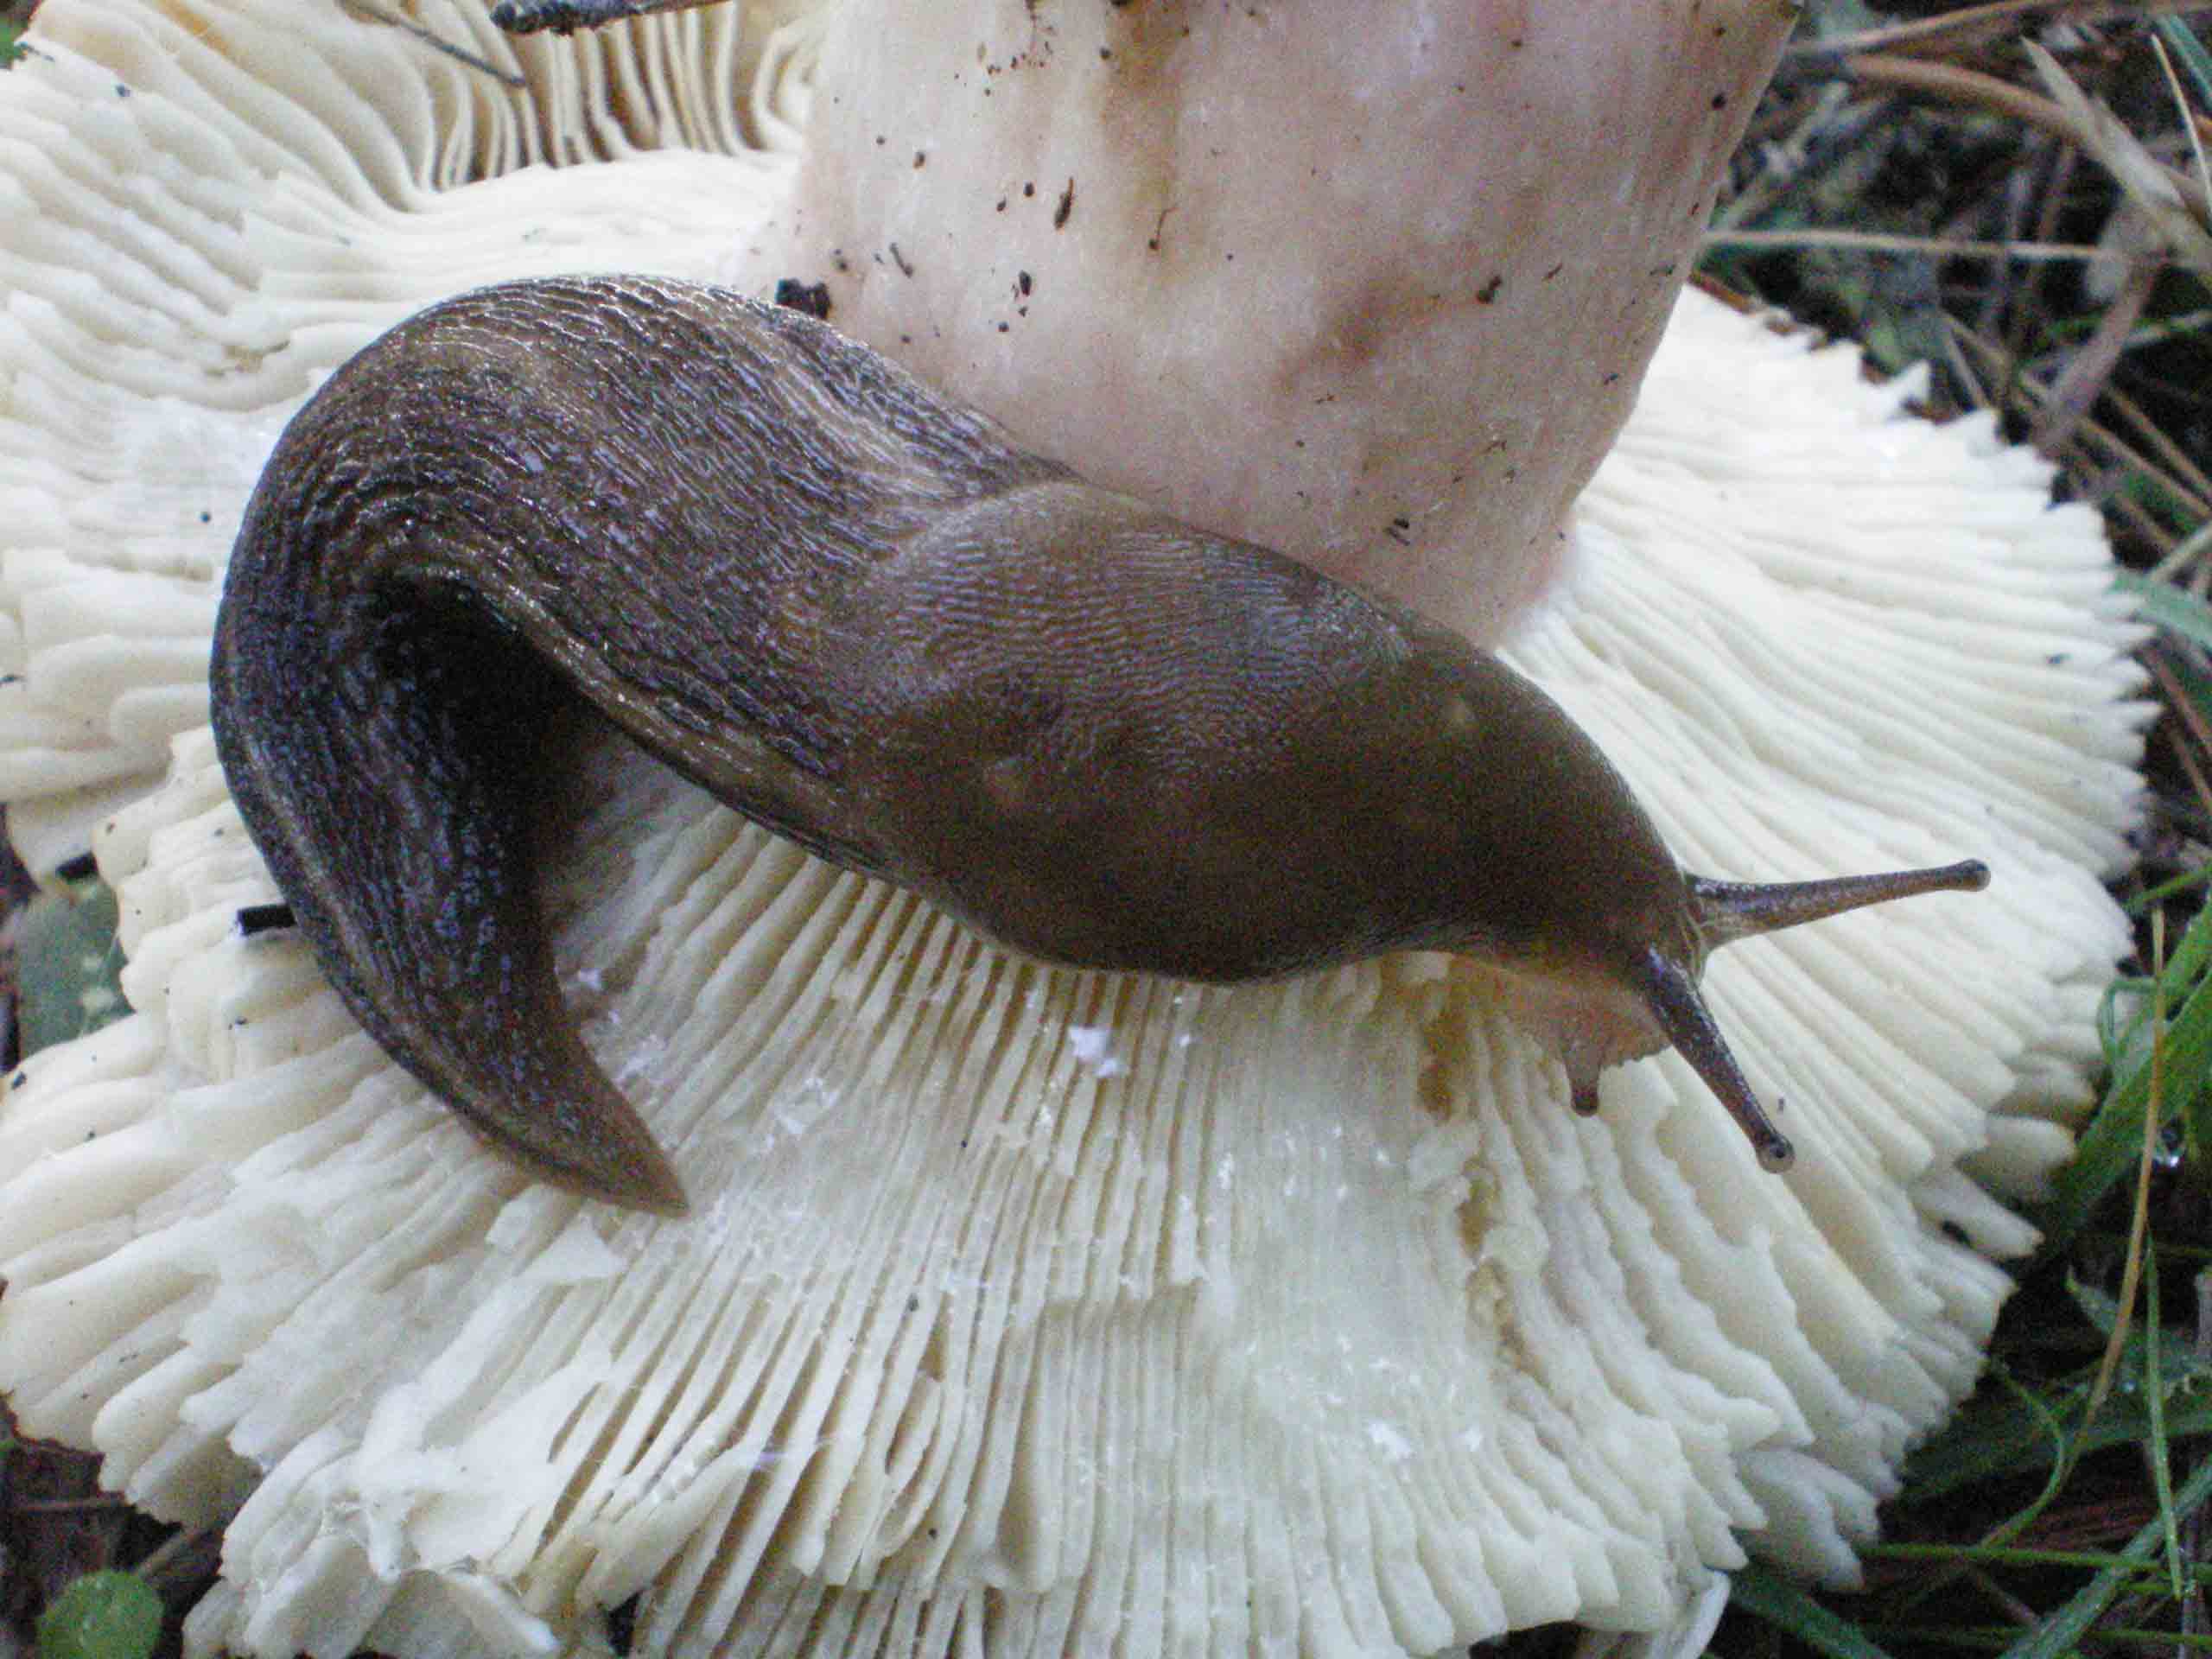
(1379, 296)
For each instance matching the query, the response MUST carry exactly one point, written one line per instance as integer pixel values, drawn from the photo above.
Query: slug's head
(1564, 898)
(1460, 808)
(1655, 980)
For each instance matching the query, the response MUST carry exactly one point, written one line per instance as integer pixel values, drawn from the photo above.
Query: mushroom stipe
(865, 617)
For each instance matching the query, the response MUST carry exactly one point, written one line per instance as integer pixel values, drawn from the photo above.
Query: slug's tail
(384, 762)
(1721, 913)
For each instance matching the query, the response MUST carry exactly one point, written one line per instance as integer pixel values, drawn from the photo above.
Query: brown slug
(867, 620)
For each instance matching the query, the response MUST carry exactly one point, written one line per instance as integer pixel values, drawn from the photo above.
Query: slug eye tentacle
(1720, 912)
(1724, 911)
(1669, 990)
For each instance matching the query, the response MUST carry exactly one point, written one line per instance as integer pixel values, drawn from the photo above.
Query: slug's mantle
(1020, 1309)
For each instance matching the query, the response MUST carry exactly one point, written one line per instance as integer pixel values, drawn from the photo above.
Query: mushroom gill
(1021, 1310)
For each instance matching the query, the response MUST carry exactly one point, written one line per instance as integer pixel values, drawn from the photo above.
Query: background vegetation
(2017, 195)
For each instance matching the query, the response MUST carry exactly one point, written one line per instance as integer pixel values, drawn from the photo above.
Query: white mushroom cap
(1017, 1305)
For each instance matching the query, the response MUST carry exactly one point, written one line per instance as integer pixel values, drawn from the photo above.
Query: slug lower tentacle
(866, 619)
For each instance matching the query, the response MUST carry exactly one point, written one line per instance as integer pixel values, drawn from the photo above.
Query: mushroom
(1019, 1309)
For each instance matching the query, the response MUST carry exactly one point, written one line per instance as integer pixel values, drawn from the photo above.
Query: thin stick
(2131, 1274)
(2083, 380)
(2190, 715)
(2103, 436)
(1958, 86)
(460, 54)
(1999, 18)
(1876, 242)
(2180, 103)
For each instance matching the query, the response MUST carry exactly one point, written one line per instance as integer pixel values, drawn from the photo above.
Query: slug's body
(863, 617)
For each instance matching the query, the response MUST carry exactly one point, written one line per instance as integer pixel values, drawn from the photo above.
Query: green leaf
(2175, 609)
(1783, 1604)
(68, 964)
(102, 1616)
(2099, 1306)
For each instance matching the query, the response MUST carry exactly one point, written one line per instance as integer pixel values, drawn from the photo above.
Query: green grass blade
(2189, 51)
(2112, 1144)
(2154, 1401)
(2063, 1629)
(2029, 1434)
(1790, 1609)
(2172, 887)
